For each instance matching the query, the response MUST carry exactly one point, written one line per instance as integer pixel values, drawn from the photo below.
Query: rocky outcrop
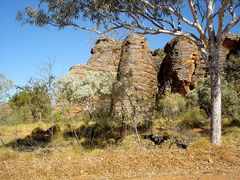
(135, 89)
(105, 58)
(183, 66)
(233, 58)
(141, 76)
(135, 69)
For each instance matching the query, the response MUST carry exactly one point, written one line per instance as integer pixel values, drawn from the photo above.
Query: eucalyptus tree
(204, 22)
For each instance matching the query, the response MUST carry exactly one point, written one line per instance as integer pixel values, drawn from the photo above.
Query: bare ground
(156, 163)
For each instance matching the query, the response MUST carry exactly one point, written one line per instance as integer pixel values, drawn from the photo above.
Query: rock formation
(135, 89)
(105, 58)
(183, 66)
(140, 76)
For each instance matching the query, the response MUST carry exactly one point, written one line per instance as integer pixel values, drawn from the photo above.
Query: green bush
(31, 102)
(201, 97)
(172, 105)
(195, 118)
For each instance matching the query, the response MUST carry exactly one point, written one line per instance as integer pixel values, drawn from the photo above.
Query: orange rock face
(183, 66)
(105, 58)
(140, 78)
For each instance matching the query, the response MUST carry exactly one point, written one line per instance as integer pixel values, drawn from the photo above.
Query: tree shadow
(37, 139)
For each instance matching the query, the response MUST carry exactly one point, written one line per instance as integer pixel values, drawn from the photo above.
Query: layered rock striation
(184, 66)
(105, 58)
(136, 87)
(140, 77)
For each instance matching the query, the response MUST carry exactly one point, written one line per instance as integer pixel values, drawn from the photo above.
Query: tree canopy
(143, 16)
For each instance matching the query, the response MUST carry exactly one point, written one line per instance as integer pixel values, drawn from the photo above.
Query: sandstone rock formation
(135, 89)
(135, 69)
(183, 66)
(140, 76)
(105, 58)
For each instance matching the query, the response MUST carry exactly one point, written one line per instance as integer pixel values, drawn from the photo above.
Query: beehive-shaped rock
(183, 66)
(136, 87)
(105, 58)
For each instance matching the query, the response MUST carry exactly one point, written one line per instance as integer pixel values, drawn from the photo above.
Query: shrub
(31, 102)
(201, 97)
(159, 54)
(195, 118)
(172, 105)
(75, 89)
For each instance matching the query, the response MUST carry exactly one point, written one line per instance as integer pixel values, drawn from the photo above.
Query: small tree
(32, 99)
(87, 89)
(210, 19)
(230, 97)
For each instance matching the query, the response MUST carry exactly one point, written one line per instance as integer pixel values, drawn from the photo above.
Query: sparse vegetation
(195, 118)
(172, 105)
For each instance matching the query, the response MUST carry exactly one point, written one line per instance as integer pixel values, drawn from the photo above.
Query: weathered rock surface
(105, 58)
(140, 77)
(136, 85)
(183, 66)
(135, 69)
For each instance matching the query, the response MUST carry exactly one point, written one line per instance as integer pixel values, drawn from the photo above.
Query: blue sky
(24, 48)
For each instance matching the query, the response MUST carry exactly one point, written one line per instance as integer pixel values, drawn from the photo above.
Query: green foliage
(100, 12)
(31, 102)
(93, 83)
(230, 98)
(233, 65)
(159, 54)
(200, 96)
(172, 105)
(195, 118)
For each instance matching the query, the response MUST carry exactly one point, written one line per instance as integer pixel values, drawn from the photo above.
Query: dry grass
(8, 133)
(113, 163)
(67, 159)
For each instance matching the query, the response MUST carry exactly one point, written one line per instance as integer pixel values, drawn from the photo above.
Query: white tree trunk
(216, 103)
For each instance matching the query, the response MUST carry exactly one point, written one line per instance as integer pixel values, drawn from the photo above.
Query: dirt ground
(156, 163)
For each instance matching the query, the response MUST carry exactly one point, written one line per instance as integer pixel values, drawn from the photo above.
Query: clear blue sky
(24, 48)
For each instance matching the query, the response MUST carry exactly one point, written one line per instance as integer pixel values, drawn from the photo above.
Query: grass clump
(195, 118)
(202, 142)
(8, 153)
(231, 135)
(172, 105)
